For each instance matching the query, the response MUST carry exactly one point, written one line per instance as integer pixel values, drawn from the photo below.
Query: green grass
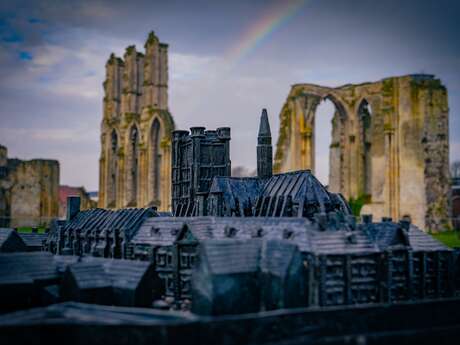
(449, 238)
(28, 230)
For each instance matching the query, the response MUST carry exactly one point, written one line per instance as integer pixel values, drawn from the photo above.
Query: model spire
(264, 147)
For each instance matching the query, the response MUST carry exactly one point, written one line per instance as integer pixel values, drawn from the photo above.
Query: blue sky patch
(12, 37)
(26, 56)
(35, 20)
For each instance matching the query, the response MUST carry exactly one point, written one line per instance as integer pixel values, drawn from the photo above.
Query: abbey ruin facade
(390, 145)
(135, 163)
(28, 191)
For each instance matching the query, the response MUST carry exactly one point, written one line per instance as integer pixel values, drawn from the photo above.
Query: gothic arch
(364, 115)
(112, 178)
(156, 155)
(133, 163)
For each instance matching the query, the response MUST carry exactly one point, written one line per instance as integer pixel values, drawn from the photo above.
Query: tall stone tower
(198, 156)
(135, 163)
(264, 148)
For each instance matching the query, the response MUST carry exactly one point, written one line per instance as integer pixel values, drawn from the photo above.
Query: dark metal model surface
(279, 251)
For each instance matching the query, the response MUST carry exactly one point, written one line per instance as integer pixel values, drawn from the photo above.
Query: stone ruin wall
(135, 161)
(30, 191)
(390, 145)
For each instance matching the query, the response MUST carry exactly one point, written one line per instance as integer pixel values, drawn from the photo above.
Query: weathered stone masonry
(135, 163)
(390, 144)
(28, 191)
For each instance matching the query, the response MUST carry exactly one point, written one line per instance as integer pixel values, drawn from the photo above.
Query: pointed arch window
(113, 170)
(365, 117)
(156, 159)
(133, 170)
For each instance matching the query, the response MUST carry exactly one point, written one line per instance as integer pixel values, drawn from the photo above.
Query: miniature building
(24, 279)
(98, 232)
(10, 241)
(226, 280)
(202, 186)
(135, 162)
(34, 241)
(172, 243)
(120, 282)
(390, 144)
(342, 262)
(198, 156)
(368, 251)
(28, 191)
(34, 279)
(283, 276)
(86, 282)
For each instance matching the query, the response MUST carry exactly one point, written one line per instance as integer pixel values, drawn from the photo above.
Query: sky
(227, 61)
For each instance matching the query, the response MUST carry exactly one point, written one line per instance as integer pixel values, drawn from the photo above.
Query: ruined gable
(389, 144)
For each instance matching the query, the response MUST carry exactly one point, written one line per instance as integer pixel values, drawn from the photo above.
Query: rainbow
(257, 33)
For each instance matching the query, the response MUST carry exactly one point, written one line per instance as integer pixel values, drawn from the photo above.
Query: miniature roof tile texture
(225, 257)
(341, 242)
(160, 231)
(387, 234)
(33, 241)
(301, 188)
(88, 275)
(101, 219)
(120, 273)
(39, 266)
(239, 193)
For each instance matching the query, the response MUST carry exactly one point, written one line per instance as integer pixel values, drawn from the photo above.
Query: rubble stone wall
(28, 191)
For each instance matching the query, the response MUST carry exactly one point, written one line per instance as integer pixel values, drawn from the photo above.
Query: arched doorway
(155, 135)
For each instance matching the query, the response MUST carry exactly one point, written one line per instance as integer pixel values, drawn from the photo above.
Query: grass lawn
(28, 230)
(449, 238)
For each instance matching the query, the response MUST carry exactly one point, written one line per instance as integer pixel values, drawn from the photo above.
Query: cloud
(52, 98)
(51, 135)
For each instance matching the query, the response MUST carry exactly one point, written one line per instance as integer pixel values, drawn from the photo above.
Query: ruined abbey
(389, 149)
(135, 162)
(28, 191)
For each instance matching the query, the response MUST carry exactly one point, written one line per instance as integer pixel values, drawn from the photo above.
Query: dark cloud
(52, 56)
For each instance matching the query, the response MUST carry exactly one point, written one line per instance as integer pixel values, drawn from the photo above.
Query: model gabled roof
(10, 241)
(231, 256)
(277, 257)
(341, 242)
(89, 275)
(38, 266)
(421, 241)
(33, 240)
(300, 188)
(239, 193)
(126, 220)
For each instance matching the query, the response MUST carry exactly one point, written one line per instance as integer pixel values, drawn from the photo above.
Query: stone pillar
(163, 77)
(142, 180)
